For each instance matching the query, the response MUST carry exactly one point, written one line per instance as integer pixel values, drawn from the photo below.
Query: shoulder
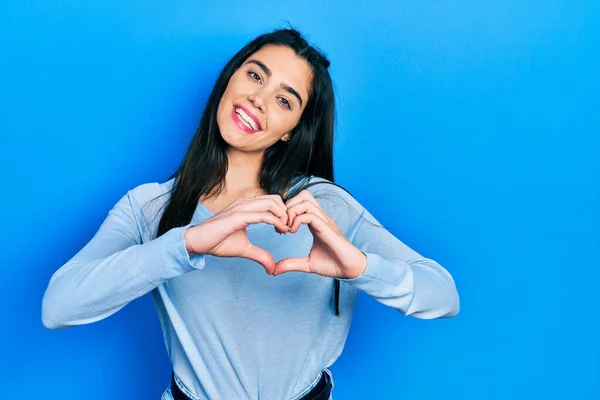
(336, 201)
(330, 191)
(151, 189)
(148, 200)
(146, 192)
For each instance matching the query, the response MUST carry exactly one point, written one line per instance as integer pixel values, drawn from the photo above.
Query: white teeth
(246, 123)
(246, 120)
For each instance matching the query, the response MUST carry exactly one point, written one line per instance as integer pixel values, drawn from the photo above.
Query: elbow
(445, 309)
(52, 303)
(454, 299)
(50, 315)
(449, 304)
(49, 320)
(51, 323)
(440, 301)
(65, 310)
(54, 315)
(452, 304)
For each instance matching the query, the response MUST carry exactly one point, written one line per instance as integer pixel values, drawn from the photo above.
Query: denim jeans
(168, 396)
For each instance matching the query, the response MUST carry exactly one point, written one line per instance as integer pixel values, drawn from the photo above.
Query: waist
(319, 389)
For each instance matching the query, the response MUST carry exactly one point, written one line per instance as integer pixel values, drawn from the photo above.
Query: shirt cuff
(171, 257)
(381, 275)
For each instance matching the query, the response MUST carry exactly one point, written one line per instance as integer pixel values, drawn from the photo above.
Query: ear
(286, 137)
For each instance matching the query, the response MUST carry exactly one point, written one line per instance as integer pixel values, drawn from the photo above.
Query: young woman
(253, 194)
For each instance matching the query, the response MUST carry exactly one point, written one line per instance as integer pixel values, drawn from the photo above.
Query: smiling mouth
(245, 119)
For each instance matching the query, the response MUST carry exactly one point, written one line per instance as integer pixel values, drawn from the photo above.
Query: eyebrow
(267, 71)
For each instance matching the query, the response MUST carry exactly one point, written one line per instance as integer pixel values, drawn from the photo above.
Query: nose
(257, 100)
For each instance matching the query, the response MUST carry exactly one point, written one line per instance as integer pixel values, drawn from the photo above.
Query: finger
(311, 219)
(297, 209)
(304, 207)
(277, 198)
(276, 206)
(279, 203)
(254, 217)
(265, 203)
(303, 196)
(278, 209)
(292, 264)
(300, 197)
(261, 256)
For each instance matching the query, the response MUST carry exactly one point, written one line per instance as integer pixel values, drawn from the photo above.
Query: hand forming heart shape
(224, 235)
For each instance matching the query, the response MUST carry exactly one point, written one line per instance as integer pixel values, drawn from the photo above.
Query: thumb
(261, 256)
(292, 264)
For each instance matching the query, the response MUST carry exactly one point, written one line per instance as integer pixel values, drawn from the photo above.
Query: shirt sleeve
(113, 268)
(398, 276)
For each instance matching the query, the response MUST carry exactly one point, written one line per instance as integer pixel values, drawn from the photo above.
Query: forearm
(420, 288)
(84, 291)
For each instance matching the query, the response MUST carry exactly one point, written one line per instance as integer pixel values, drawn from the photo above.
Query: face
(264, 99)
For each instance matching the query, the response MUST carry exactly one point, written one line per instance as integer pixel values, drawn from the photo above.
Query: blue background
(468, 128)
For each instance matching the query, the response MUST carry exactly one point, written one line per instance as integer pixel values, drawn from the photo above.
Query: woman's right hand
(224, 234)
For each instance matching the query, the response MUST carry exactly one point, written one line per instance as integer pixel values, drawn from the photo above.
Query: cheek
(283, 121)
(231, 89)
(276, 124)
(237, 84)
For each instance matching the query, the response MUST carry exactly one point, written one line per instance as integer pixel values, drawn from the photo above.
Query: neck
(243, 172)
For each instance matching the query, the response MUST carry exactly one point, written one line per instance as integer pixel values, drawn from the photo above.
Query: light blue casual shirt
(232, 330)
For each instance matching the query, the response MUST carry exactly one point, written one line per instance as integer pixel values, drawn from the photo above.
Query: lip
(254, 118)
(239, 123)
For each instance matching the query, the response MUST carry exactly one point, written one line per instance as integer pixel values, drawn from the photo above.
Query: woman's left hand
(331, 253)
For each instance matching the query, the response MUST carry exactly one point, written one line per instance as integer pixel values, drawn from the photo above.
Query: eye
(285, 103)
(254, 76)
